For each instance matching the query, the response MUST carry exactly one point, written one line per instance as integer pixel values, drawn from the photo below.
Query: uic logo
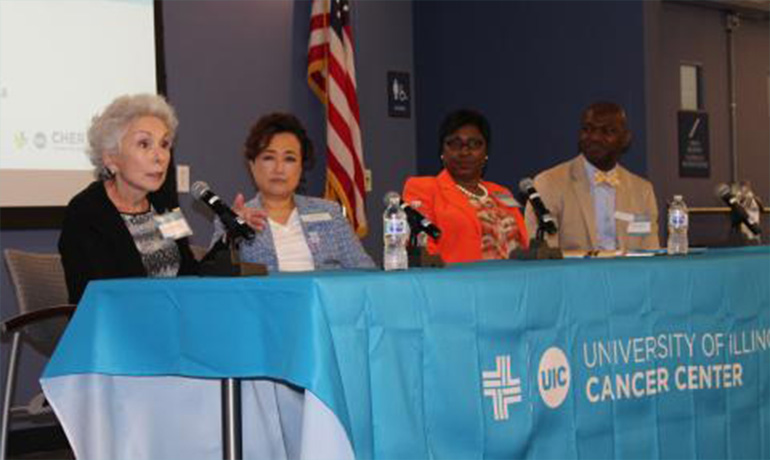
(553, 377)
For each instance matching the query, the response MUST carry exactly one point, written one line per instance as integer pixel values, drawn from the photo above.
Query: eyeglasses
(456, 144)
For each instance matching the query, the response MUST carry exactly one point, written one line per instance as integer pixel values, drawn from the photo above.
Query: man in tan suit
(598, 204)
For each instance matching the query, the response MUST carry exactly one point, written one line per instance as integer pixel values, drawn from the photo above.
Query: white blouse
(291, 248)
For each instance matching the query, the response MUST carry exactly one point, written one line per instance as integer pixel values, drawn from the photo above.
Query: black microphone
(233, 223)
(527, 187)
(724, 192)
(418, 221)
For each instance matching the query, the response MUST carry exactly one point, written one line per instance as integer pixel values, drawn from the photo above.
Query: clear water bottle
(395, 234)
(678, 221)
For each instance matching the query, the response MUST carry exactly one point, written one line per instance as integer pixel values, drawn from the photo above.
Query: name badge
(624, 216)
(639, 227)
(173, 225)
(316, 217)
(507, 199)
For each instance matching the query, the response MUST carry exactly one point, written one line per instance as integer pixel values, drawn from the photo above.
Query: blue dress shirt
(604, 210)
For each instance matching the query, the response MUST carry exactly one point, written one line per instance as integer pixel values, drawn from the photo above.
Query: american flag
(331, 74)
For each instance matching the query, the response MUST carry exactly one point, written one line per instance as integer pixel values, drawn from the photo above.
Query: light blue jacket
(328, 235)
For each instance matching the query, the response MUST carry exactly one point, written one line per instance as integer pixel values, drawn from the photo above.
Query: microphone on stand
(546, 222)
(223, 258)
(724, 192)
(538, 246)
(235, 226)
(420, 223)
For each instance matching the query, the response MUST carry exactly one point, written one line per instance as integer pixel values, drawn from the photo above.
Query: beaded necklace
(485, 192)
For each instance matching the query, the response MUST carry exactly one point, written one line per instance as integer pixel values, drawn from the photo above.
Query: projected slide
(60, 63)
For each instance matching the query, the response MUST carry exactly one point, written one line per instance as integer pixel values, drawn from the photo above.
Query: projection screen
(61, 61)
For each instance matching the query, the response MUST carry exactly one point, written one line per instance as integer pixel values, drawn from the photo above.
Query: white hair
(108, 128)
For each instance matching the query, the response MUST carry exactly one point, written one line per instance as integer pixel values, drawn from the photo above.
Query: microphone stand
(224, 259)
(740, 237)
(418, 254)
(538, 246)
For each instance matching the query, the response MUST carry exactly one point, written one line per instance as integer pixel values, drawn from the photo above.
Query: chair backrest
(38, 280)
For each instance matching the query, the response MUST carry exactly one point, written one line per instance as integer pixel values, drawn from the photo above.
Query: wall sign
(399, 95)
(694, 144)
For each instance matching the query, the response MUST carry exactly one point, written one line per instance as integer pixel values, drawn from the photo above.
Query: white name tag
(316, 217)
(624, 216)
(641, 227)
(173, 225)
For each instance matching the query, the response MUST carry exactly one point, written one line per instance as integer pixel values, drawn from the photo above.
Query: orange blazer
(442, 202)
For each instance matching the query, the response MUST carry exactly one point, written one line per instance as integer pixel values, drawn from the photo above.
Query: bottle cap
(392, 197)
(677, 197)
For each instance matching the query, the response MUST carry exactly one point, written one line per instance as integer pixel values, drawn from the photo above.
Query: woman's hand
(256, 218)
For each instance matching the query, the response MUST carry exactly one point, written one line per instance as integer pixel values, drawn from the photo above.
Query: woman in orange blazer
(479, 220)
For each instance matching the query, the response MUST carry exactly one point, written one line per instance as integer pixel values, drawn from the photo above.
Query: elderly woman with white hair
(118, 227)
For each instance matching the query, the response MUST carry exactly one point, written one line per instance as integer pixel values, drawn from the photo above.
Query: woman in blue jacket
(294, 232)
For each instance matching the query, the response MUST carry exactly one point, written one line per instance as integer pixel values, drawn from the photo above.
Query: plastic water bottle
(678, 221)
(395, 234)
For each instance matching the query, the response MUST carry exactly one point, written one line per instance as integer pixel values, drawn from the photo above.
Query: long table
(659, 357)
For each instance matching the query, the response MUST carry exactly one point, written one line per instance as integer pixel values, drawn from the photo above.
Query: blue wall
(531, 67)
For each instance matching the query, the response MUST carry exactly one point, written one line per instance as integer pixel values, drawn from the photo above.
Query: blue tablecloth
(653, 357)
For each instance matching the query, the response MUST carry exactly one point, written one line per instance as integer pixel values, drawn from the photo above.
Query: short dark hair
(463, 117)
(605, 109)
(268, 126)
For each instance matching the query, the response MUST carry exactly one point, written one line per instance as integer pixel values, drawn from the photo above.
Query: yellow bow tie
(609, 178)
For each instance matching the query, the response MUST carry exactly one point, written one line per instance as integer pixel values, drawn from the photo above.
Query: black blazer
(96, 244)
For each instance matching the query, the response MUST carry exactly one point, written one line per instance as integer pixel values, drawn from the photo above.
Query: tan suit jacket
(566, 191)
